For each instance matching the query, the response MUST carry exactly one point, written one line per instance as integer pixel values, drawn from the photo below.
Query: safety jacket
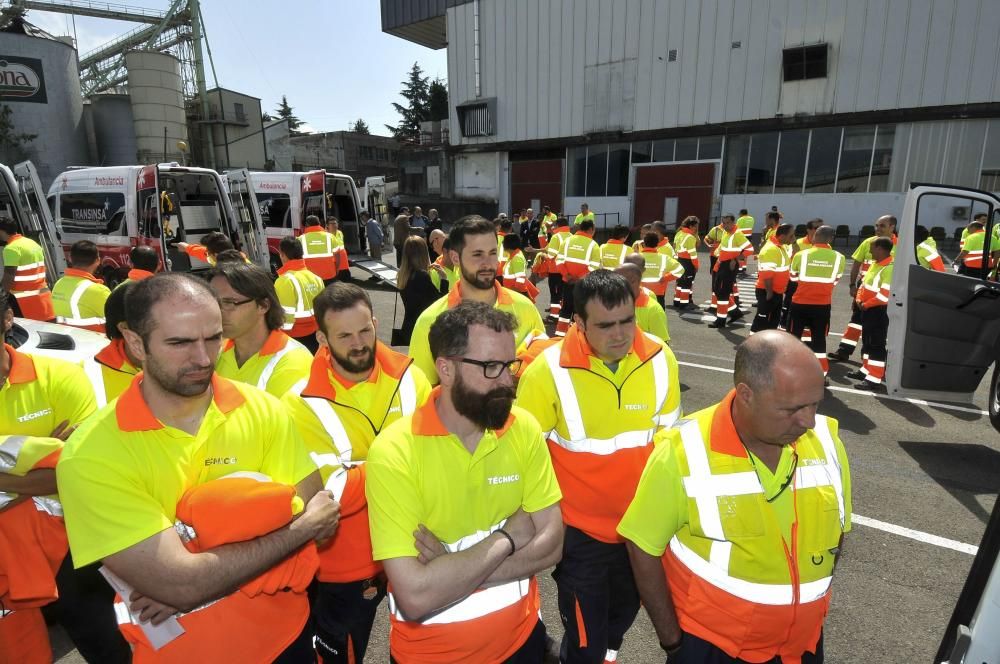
(650, 316)
(664, 247)
(297, 287)
(715, 235)
(547, 262)
(769, 233)
(201, 253)
(501, 252)
(874, 290)
(816, 271)
(110, 372)
(30, 288)
(733, 246)
(515, 275)
(600, 424)
(453, 274)
(686, 245)
(744, 224)
(735, 580)
(864, 253)
(580, 217)
(545, 229)
(262, 618)
(928, 256)
(279, 365)
(659, 271)
(774, 261)
(323, 252)
(579, 256)
(974, 245)
(613, 253)
(802, 244)
(78, 300)
(135, 274)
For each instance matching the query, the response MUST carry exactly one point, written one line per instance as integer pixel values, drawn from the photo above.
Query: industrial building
(349, 152)
(657, 109)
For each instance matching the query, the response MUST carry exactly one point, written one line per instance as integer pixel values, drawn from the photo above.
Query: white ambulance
(22, 199)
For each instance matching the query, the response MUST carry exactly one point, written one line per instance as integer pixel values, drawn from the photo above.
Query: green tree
(284, 112)
(266, 117)
(12, 142)
(437, 102)
(360, 127)
(416, 93)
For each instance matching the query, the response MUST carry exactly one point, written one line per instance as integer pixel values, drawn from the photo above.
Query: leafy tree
(416, 93)
(266, 117)
(12, 142)
(437, 102)
(284, 112)
(360, 127)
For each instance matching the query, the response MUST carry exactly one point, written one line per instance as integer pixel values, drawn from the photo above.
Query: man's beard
(177, 383)
(488, 410)
(356, 362)
(482, 282)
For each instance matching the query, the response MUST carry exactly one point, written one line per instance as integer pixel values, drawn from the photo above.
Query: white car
(52, 340)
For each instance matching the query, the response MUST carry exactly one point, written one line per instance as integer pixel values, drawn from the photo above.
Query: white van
(21, 199)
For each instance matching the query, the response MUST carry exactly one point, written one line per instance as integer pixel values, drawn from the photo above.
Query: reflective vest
(453, 273)
(580, 217)
(29, 288)
(775, 262)
(579, 256)
(547, 262)
(973, 248)
(864, 253)
(816, 271)
(732, 246)
(613, 254)
(109, 372)
(515, 275)
(78, 300)
(649, 315)
(659, 271)
(297, 287)
(664, 247)
(735, 580)
(323, 252)
(714, 238)
(135, 274)
(928, 256)
(545, 229)
(686, 244)
(745, 225)
(874, 290)
(501, 252)
(769, 233)
(802, 244)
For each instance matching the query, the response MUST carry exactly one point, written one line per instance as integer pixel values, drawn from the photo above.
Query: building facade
(237, 131)
(656, 109)
(348, 152)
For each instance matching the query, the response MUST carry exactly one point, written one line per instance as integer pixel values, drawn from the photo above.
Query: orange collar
(576, 352)
(512, 254)
(616, 242)
(133, 413)
(387, 361)
(885, 261)
(820, 245)
(725, 439)
(649, 250)
(662, 242)
(113, 356)
(22, 367)
(275, 341)
(313, 229)
(135, 274)
(981, 230)
(774, 240)
(293, 266)
(14, 238)
(427, 423)
(82, 274)
(642, 300)
(502, 295)
(589, 234)
(689, 231)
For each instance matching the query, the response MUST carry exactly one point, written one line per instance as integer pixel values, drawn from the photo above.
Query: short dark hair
(143, 295)
(83, 253)
(883, 243)
(813, 224)
(364, 214)
(619, 232)
(252, 281)
(561, 221)
(144, 258)
(506, 225)
(339, 296)
(609, 288)
(772, 214)
(8, 225)
(291, 248)
(471, 224)
(730, 217)
(587, 225)
(744, 211)
(981, 215)
(511, 242)
(660, 227)
(449, 334)
(312, 220)
(114, 310)
(690, 222)
(229, 256)
(784, 229)
(922, 233)
(650, 240)
(216, 242)
(978, 225)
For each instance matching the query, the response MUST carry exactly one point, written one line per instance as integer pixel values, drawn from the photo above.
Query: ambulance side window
(94, 213)
(274, 209)
(149, 222)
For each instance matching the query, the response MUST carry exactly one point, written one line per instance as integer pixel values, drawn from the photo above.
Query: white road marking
(917, 535)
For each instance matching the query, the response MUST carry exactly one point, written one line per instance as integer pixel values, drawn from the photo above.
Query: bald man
(435, 241)
(649, 315)
(717, 583)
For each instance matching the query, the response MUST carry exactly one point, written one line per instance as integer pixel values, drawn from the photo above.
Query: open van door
(37, 219)
(944, 328)
(250, 226)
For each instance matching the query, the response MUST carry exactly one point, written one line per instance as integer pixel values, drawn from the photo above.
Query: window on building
(709, 147)
(618, 168)
(791, 161)
(477, 119)
(855, 159)
(642, 152)
(663, 150)
(760, 174)
(597, 170)
(576, 171)
(885, 138)
(686, 149)
(241, 114)
(804, 62)
(989, 174)
(821, 172)
(734, 166)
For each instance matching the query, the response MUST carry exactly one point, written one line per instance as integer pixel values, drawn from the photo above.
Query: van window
(100, 213)
(274, 209)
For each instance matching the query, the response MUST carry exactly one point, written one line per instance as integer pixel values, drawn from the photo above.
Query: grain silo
(114, 132)
(154, 87)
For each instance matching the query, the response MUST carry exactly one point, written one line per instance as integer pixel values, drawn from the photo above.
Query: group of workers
(252, 471)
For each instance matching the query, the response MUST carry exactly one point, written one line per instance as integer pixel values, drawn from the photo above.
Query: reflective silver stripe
(265, 375)
(822, 430)
(337, 481)
(25, 293)
(74, 305)
(604, 446)
(30, 266)
(48, 505)
(79, 322)
(572, 416)
(407, 393)
(38, 276)
(832, 279)
(95, 375)
(334, 428)
(10, 449)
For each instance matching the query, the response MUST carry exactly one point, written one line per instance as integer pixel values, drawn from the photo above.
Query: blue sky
(330, 57)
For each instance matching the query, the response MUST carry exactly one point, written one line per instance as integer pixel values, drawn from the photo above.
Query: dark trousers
(555, 288)
(299, 651)
(723, 282)
(598, 600)
(309, 341)
(399, 255)
(768, 311)
(567, 302)
(85, 609)
(699, 651)
(967, 271)
(874, 329)
(343, 615)
(687, 279)
(531, 651)
(786, 305)
(815, 318)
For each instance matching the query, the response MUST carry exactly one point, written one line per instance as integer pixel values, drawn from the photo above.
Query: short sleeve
(659, 508)
(72, 396)
(393, 499)
(286, 459)
(672, 405)
(541, 489)
(536, 393)
(420, 345)
(861, 253)
(291, 369)
(11, 257)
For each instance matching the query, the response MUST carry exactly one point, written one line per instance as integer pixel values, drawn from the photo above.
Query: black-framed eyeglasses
(788, 480)
(226, 303)
(492, 369)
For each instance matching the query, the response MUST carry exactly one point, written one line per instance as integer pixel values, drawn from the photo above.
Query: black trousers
(299, 651)
(531, 652)
(874, 329)
(344, 614)
(786, 305)
(555, 288)
(722, 284)
(568, 307)
(598, 600)
(695, 650)
(768, 311)
(815, 318)
(687, 280)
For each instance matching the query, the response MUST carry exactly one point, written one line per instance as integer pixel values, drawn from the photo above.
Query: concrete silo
(154, 87)
(114, 132)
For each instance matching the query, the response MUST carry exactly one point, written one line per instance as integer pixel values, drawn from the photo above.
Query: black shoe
(856, 375)
(868, 386)
(736, 315)
(717, 324)
(838, 356)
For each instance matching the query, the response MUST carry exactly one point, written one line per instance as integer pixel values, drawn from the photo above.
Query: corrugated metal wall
(569, 67)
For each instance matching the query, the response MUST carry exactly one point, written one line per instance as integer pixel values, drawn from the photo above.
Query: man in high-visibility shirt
(638, 244)
(546, 265)
(256, 351)
(649, 315)
(927, 253)
(112, 369)
(78, 297)
(24, 274)
(47, 398)
(739, 517)
(452, 273)
(474, 249)
(145, 263)
(660, 269)
(179, 426)
(885, 226)
(873, 299)
(713, 240)
(515, 271)
(614, 251)
(357, 387)
(584, 215)
(773, 265)
(816, 272)
(801, 244)
(972, 258)
(464, 505)
(505, 227)
(579, 256)
(601, 394)
(546, 226)
(322, 251)
(297, 287)
(686, 246)
(731, 248)
(745, 223)
(208, 247)
(771, 222)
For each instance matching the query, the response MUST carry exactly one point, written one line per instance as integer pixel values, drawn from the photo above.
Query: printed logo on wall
(22, 79)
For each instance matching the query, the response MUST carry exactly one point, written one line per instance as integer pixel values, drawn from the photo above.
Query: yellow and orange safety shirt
(816, 270)
(324, 252)
(110, 372)
(30, 288)
(297, 287)
(78, 300)
(774, 262)
(280, 364)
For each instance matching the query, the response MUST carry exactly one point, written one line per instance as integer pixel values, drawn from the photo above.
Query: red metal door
(539, 180)
(693, 185)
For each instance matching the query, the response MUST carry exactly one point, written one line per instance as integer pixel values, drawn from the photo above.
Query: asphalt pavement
(930, 472)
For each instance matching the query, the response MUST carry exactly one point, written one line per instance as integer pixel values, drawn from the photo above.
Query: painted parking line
(917, 535)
